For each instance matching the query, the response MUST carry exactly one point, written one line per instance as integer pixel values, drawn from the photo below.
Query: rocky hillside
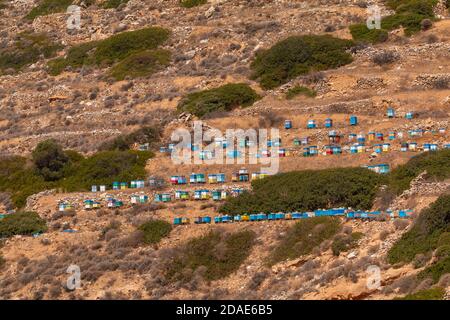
(137, 70)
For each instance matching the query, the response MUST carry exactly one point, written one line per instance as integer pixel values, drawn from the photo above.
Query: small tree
(49, 158)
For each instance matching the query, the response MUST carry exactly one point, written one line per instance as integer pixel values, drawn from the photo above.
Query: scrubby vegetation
(155, 230)
(436, 293)
(192, 3)
(21, 223)
(49, 159)
(123, 142)
(27, 49)
(22, 178)
(141, 64)
(345, 242)
(361, 33)
(300, 90)
(2, 260)
(303, 237)
(110, 4)
(224, 98)
(46, 7)
(213, 256)
(409, 14)
(308, 190)
(299, 55)
(425, 237)
(114, 49)
(437, 165)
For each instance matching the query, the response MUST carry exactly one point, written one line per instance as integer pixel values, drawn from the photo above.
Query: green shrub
(297, 90)
(361, 33)
(218, 253)
(111, 50)
(299, 55)
(104, 168)
(344, 242)
(436, 270)
(192, 3)
(48, 7)
(50, 159)
(141, 64)
(409, 15)
(21, 179)
(308, 190)
(155, 230)
(111, 4)
(21, 223)
(436, 293)
(303, 237)
(424, 235)
(123, 142)
(3, 4)
(27, 49)
(437, 165)
(2, 260)
(224, 98)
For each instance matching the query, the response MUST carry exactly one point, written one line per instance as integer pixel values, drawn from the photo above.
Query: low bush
(192, 3)
(21, 223)
(385, 57)
(361, 33)
(142, 135)
(216, 255)
(141, 64)
(436, 293)
(424, 235)
(308, 190)
(114, 49)
(344, 242)
(437, 165)
(224, 98)
(155, 230)
(26, 49)
(46, 7)
(111, 4)
(303, 237)
(299, 55)
(300, 90)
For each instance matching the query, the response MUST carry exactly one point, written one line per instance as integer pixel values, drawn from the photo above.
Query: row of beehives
(112, 202)
(337, 212)
(353, 141)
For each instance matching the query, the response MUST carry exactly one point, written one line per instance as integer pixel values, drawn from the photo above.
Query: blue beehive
(353, 149)
(237, 218)
(271, 216)
(390, 113)
(409, 115)
(328, 123)
(288, 124)
(253, 217)
(311, 124)
(353, 120)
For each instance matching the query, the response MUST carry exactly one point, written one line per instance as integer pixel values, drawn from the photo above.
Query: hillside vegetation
(116, 48)
(308, 190)
(213, 256)
(437, 165)
(223, 98)
(299, 55)
(409, 14)
(303, 237)
(21, 223)
(430, 232)
(26, 49)
(21, 177)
